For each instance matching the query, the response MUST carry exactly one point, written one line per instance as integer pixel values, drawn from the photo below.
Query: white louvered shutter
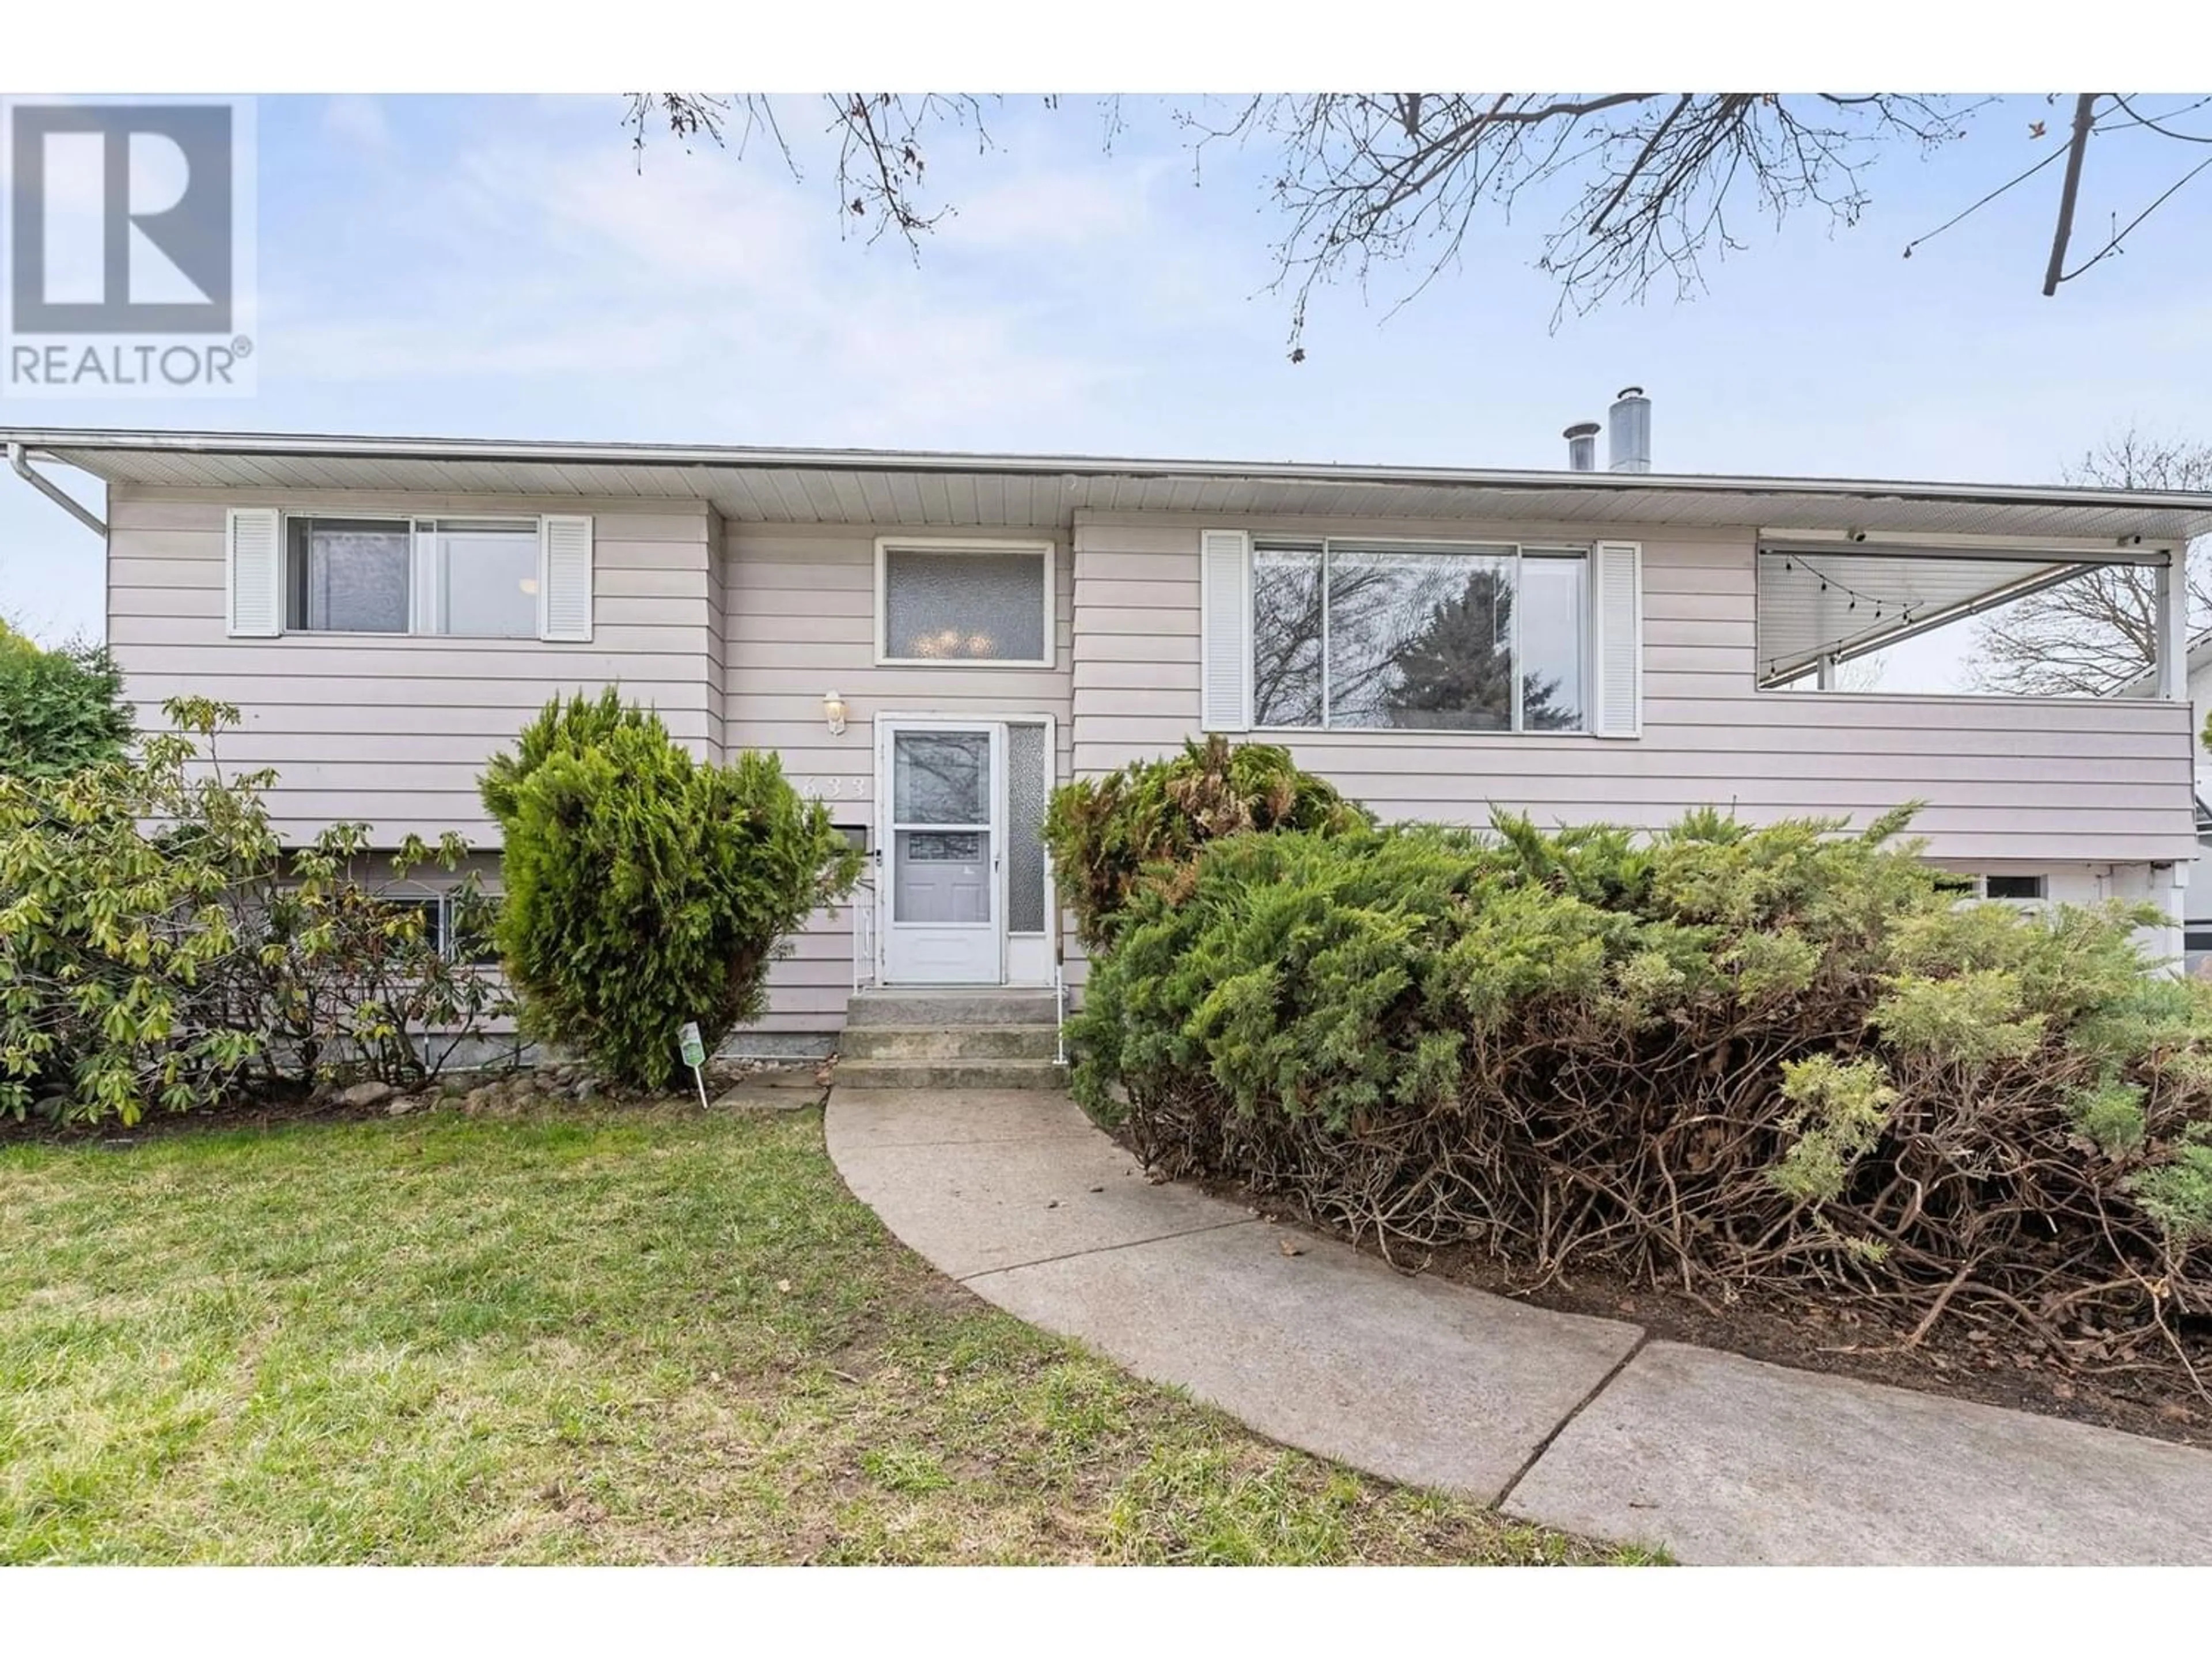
(1617, 581)
(564, 579)
(1226, 619)
(255, 578)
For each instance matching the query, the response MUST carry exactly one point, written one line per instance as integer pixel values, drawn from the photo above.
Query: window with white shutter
(1225, 623)
(565, 579)
(254, 581)
(1618, 610)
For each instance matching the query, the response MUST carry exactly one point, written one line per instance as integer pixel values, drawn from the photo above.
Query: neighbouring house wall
(801, 622)
(2048, 779)
(2162, 886)
(394, 730)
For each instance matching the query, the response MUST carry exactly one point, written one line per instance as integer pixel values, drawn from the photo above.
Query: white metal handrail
(864, 935)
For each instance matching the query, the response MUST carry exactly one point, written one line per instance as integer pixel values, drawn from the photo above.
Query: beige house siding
(801, 622)
(2046, 779)
(734, 632)
(394, 730)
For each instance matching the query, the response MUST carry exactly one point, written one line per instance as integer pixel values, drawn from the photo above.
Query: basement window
(2011, 890)
(456, 936)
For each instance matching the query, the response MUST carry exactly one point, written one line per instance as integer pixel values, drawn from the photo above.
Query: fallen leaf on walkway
(1290, 1246)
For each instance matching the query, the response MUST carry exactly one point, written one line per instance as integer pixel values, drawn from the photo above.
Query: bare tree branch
(1647, 180)
(881, 164)
(2119, 237)
(1642, 189)
(2090, 635)
(2085, 116)
(883, 143)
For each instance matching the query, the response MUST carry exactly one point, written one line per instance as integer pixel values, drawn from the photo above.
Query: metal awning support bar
(19, 459)
(1866, 645)
(2172, 614)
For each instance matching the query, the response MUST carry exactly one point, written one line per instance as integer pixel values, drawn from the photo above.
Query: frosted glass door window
(1026, 798)
(964, 607)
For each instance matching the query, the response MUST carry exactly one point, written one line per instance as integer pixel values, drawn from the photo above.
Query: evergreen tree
(60, 710)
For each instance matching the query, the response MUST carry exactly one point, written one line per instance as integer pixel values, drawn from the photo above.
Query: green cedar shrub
(1110, 836)
(645, 887)
(2178, 1190)
(60, 710)
(1723, 1057)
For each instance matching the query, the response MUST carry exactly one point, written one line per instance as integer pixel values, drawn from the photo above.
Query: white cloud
(716, 288)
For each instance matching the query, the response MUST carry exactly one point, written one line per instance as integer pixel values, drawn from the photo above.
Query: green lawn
(634, 1335)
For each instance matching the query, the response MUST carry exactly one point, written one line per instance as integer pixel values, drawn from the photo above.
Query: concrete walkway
(1577, 1423)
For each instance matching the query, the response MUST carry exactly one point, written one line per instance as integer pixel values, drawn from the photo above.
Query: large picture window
(1433, 636)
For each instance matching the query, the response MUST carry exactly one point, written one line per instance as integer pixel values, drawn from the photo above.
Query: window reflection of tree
(1456, 671)
(1414, 639)
(942, 777)
(1286, 636)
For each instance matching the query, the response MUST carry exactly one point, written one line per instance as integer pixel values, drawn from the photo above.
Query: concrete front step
(987, 1005)
(949, 1074)
(951, 1042)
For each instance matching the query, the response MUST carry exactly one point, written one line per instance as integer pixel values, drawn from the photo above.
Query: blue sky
(501, 267)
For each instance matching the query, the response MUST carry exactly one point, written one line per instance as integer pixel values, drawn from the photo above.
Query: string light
(1881, 607)
(1873, 601)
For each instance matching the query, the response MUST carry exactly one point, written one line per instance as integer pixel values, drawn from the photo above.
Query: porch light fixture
(833, 711)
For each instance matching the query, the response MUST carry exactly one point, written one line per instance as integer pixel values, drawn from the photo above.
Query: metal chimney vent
(1628, 440)
(1582, 446)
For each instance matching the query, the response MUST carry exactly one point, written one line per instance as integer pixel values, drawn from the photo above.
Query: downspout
(53, 492)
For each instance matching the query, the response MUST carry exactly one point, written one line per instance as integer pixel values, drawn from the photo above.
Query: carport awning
(1819, 599)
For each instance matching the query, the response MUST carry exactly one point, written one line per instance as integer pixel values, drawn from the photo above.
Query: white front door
(943, 785)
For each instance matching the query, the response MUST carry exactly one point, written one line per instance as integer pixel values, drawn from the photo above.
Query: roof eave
(335, 446)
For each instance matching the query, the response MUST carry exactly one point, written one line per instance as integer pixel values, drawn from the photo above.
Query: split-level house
(932, 641)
